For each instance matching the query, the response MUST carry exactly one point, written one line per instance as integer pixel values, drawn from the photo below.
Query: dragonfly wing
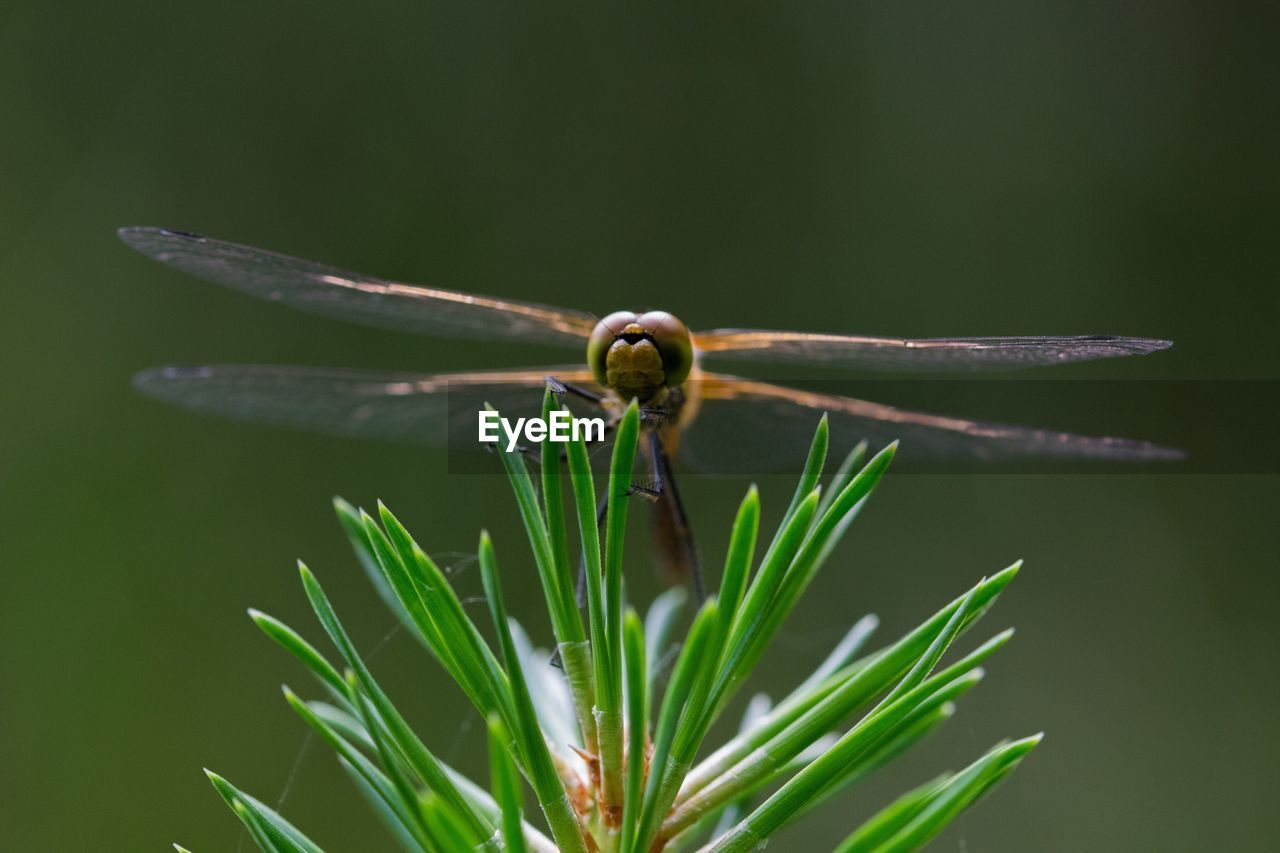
(760, 415)
(359, 298)
(407, 407)
(932, 354)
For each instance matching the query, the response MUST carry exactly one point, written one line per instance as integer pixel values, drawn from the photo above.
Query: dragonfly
(649, 356)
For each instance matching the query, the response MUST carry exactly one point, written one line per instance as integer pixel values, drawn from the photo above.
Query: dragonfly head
(637, 355)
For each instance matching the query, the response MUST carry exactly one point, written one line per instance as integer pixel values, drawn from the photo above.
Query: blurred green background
(911, 169)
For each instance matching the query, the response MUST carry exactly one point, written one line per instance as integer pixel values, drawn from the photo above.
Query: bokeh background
(913, 169)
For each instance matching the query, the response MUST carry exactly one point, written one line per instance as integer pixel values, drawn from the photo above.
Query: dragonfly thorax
(638, 355)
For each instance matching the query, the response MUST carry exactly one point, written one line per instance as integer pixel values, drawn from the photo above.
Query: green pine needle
(612, 746)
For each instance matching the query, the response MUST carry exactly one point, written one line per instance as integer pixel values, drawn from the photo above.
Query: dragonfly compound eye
(602, 337)
(674, 344)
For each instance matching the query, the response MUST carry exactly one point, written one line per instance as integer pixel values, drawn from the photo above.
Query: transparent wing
(407, 407)
(762, 418)
(359, 298)
(933, 354)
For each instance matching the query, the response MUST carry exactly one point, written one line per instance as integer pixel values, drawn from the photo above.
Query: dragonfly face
(640, 355)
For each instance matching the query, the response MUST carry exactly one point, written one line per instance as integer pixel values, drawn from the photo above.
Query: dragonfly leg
(654, 417)
(560, 388)
(663, 493)
(681, 533)
(523, 450)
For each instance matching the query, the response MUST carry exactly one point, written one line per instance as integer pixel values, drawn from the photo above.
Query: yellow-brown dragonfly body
(649, 356)
(645, 355)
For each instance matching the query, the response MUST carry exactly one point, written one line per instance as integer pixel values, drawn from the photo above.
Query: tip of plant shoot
(309, 581)
(1015, 750)
(1005, 575)
(387, 516)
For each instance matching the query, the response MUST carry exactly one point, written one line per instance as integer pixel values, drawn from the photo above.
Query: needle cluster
(612, 744)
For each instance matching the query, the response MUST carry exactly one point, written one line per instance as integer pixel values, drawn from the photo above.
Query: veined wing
(762, 412)
(408, 407)
(932, 354)
(359, 298)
